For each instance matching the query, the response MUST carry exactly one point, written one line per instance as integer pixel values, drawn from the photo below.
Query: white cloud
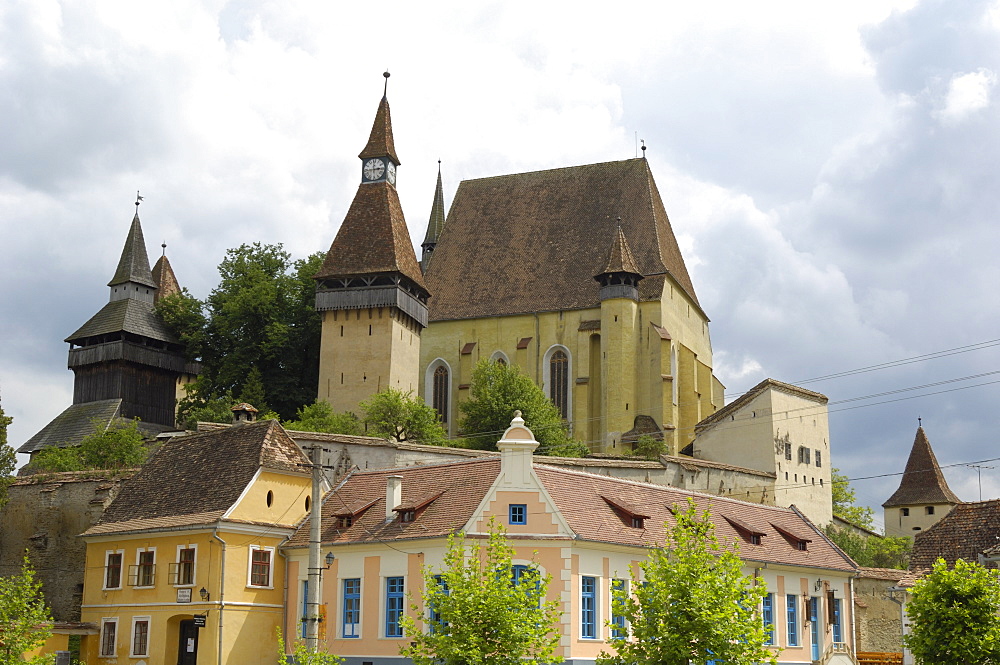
(967, 93)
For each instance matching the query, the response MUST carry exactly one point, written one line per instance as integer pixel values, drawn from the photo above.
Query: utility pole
(315, 531)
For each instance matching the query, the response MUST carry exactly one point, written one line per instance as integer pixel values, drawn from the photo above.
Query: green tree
(393, 414)
(301, 655)
(845, 504)
(484, 612)
(118, 446)
(319, 417)
(25, 622)
(955, 615)
(200, 405)
(8, 458)
(259, 322)
(872, 551)
(649, 447)
(692, 603)
(497, 391)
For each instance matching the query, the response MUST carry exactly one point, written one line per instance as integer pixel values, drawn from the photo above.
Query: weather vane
(138, 200)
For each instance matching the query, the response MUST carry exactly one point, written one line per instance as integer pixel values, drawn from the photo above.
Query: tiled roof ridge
(133, 266)
(749, 395)
(380, 142)
(552, 170)
(922, 480)
(663, 488)
(401, 469)
(823, 536)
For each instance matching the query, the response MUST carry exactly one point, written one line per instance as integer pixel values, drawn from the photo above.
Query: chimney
(243, 414)
(393, 494)
(516, 448)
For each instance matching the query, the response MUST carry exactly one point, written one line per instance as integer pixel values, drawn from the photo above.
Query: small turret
(435, 225)
(923, 496)
(620, 277)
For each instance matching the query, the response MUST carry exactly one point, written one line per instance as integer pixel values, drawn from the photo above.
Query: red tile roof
(380, 141)
(967, 531)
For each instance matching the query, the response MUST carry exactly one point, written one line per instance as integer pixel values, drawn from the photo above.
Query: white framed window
(140, 637)
(437, 388)
(143, 573)
(557, 379)
(113, 561)
(182, 571)
(109, 637)
(260, 572)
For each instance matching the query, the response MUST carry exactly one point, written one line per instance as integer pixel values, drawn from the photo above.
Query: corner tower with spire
(370, 290)
(435, 225)
(923, 496)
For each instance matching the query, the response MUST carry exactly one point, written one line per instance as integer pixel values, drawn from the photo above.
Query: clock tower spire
(370, 291)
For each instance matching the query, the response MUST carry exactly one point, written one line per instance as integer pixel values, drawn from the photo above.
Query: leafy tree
(482, 613)
(8, 458)
(394, 414)
(25, 622)
(319, 417)
(200, 405)
(260, 321)
(692, 603)
(119, 446)
(649, 447)
(301, 654)
(497, 391)
(872, 551)
(845, 502)
(955, 615)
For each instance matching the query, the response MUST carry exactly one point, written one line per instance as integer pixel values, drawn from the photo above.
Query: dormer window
(407, 515)
(408, 512)
(796, 540)
(750, 533)
(348, 516)
(630, 514)
(345, 522)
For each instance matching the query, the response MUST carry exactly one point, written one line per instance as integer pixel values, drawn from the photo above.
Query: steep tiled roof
(922, 480)
(967, 531)
(462, 484)
(539, 238)
(620, 259)
(133, 266)
(435, 224)
(73, 425)
(166, 280)
(751, 394)
(580, 499)
(195, 479)
(380, 141)
(373, 238)
(128, 315)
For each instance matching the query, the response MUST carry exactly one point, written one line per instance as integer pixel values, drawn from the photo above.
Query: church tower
(125, 351)
(370, 290)
(617, 344)
(923, 496)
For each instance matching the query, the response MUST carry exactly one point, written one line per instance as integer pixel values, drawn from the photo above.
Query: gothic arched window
(439, 399)
(559, 381)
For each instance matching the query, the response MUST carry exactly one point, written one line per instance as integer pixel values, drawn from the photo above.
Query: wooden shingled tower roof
(922, 480)
(373, 238)
(133, 266)
(534, 241)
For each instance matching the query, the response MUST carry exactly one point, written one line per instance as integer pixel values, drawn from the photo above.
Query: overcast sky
(831, 170)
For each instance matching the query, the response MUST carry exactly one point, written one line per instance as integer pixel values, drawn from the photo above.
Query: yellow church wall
(275, 498)
(365, 351)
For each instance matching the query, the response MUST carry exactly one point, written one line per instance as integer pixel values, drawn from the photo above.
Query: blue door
(814, 626)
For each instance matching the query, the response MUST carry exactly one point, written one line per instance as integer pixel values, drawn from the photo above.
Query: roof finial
(138, 200)
(439, 167)
(385, 89)
(920, 421)
(619, 220)
(643, 142)
(164, 246)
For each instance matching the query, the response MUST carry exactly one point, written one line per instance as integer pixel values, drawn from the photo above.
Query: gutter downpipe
(222, 588)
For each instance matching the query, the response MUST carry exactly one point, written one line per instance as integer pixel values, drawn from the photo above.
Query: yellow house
(184, 566)
(586, 531)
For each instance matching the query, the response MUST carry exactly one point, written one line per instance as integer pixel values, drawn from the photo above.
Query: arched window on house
(559, 381)
(439, 399)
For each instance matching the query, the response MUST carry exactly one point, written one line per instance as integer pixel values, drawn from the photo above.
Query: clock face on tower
(391, 173)
(374, 168)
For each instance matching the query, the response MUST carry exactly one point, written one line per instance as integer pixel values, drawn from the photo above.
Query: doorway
(187, 648)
